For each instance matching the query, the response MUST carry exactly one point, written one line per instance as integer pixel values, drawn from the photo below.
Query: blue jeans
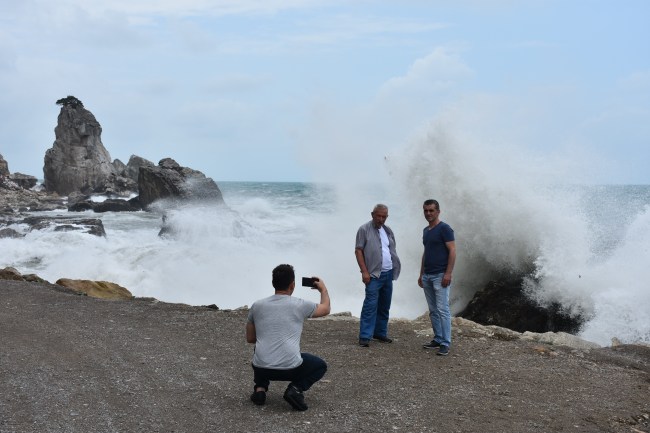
(302, 377)
(439, 313)
(376, 305)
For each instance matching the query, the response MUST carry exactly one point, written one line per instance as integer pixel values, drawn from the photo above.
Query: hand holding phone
(309, 282)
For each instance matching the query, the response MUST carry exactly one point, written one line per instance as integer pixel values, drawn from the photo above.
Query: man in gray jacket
(379, 265)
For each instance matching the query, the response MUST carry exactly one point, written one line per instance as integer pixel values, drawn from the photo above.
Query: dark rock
(116, 185)
(93, 226)
(76, 197)
(4, 167)
(78, 160)
(9, 233)
(24, 181)
(108, 205)
(116, 205)
(132, 169)
(171, 181)
(504, 303)
(81, 206)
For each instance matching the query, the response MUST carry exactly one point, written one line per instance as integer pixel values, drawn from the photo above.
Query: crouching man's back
(275, 326)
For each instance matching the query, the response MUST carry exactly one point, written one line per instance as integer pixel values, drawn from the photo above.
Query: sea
(584, 247)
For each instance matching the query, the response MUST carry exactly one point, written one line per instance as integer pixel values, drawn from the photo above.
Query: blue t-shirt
(436, 253)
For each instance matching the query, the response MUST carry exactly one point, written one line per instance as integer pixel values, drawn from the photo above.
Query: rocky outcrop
(19, 227)
(132, 168)
(16, 194)
(171, 181)
(14, 199)
(96, 289)
(77, 161)
(13, 274)
(109, 205)
(4, 167)
(24, 181)
(504, 303)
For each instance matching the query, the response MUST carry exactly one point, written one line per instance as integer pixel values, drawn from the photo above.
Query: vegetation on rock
(70, 101)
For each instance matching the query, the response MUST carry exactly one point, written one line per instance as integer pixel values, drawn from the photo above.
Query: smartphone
(308, 282)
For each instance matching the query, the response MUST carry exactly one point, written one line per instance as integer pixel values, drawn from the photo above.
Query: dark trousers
(302, 377)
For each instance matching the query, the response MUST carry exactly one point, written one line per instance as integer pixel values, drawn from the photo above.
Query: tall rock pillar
(77, 161)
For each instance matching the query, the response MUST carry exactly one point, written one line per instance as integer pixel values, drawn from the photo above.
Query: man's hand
(323, 308)
(420, 281)
(446, 279)
(365, 277)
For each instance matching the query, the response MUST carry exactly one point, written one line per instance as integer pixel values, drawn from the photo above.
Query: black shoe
(363, 342)
(432, 345)
(444, 351)
(258, 397)
(382, 339)
(294, 397)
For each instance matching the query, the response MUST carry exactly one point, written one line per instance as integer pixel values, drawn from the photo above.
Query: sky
(311, 90)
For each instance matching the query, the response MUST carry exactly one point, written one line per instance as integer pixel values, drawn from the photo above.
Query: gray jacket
(369, 241)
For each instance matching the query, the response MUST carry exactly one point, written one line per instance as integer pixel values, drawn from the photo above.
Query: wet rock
(93, 226)
(504, 303)
(171, 181)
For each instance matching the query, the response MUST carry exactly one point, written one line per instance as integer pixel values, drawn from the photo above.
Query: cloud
(439, 71)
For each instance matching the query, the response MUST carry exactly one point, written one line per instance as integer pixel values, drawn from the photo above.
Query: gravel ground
(71, 363)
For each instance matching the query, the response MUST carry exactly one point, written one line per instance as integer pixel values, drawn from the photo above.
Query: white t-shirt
(386, 261)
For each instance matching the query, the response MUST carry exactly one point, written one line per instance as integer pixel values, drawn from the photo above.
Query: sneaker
(294, 397)
(432, 345)
(363, 342)
(258, 397)
(444, 351)
(382, 339)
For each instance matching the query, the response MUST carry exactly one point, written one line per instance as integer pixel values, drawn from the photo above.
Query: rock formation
(132, 168)
(4, 167)
(16, 180)
(96, 289)
(504, 303)
(77, 161)
(171, 181)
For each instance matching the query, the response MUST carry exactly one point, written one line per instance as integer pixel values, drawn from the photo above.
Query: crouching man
(275, 326)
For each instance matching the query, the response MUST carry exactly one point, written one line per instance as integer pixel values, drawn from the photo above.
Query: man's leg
(369, 310)
(261, 378)
(444, 313)
(385, 296)
(430, 281)
(304, 376)
(309, 372)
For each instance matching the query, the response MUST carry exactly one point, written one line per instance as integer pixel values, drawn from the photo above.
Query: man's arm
(251, 336)
(361, 261)
(451, 261)
(421, 271)
(322, 309)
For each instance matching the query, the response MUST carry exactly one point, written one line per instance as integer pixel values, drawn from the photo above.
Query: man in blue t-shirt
(437, 265)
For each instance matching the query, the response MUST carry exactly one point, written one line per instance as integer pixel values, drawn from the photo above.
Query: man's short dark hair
(431, 202)
(283, 276)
